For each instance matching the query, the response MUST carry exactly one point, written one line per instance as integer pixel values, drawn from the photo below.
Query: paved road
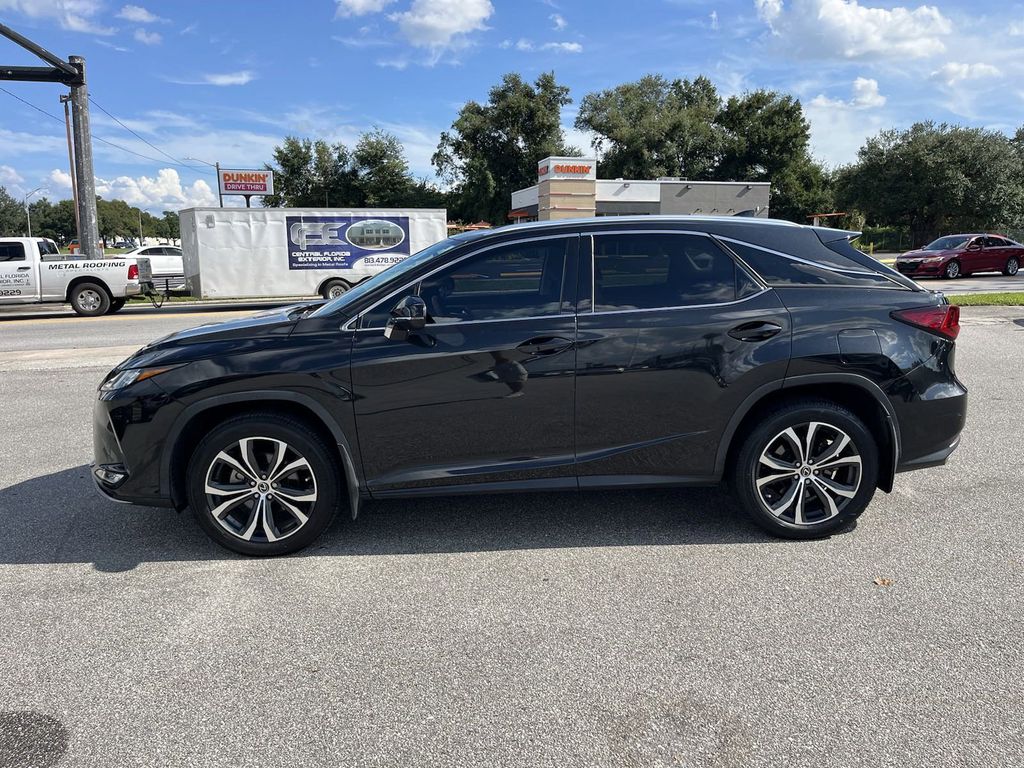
(976, 284)
(611, 629)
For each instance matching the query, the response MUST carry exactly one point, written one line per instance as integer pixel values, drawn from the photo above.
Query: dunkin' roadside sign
(234, 181)
(567, 168)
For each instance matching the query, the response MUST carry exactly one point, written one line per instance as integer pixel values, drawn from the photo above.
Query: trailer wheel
(116, 305)
(90, 299)
(332, 289)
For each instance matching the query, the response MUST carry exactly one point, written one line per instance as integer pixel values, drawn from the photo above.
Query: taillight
(133, 271)
(943, 320)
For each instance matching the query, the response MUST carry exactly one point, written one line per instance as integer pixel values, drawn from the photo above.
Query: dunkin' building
(568, 188)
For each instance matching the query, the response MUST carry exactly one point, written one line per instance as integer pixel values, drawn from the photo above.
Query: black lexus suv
(581, 354)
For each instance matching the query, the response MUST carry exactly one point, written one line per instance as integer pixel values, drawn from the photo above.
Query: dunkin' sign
(567, 168)
(242, 182)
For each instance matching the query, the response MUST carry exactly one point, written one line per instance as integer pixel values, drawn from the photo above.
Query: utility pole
(72, 74)
(88, 218)
(65, 98)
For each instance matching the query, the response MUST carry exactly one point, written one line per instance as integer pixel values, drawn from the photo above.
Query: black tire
(90, 299)
(952, 270)
(807, 515)
(116, 305)
(332, 289)
(262, 431)
(1012, 266)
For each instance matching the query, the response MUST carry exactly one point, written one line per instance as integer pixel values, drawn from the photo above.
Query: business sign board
(344, 242)
(240, 182)
(567, 168)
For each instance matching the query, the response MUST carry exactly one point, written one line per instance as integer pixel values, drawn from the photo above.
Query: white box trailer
(278, 252)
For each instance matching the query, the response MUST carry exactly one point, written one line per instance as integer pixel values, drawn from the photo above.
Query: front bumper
(127, 444)
(915, 268)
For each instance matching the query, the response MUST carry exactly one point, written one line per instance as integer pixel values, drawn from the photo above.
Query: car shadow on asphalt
(61, 518)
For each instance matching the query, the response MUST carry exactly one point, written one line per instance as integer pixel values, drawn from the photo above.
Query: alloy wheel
(260, 489)
(808, 474)
(952, 270)
(1012, 266)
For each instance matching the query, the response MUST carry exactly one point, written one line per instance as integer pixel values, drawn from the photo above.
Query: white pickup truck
(33, 271)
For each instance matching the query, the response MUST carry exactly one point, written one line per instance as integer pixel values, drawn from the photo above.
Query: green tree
(58, 222)
(492, 149)
(655, 127)
(172, 225)
(936, 179)
(12, 215)
(382, 172)
(313, 174)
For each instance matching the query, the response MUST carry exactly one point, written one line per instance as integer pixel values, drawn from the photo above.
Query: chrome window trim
(347, 325)
(682, 307)
(819, 265)
(727, 252)
(462, 323)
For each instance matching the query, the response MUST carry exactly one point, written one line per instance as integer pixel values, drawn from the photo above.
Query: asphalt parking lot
(604, 629)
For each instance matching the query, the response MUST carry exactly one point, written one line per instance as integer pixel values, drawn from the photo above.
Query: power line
(175, 160)
(95, 138)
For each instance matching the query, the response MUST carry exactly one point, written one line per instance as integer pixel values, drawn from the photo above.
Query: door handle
(545, 345)
(24, 269)
(755, 331)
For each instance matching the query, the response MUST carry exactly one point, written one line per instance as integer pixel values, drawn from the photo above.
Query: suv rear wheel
(262, 484)
(806, 470)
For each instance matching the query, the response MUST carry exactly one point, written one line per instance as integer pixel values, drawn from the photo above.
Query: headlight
(932, 259)
(129, 376)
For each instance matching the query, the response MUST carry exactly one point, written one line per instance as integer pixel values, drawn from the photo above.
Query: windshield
(385, 276)
(948, 243)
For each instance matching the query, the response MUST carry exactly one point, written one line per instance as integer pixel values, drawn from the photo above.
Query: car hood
(923, 254)
(227, 337)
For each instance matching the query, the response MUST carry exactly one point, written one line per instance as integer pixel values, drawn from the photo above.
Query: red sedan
(955, 256)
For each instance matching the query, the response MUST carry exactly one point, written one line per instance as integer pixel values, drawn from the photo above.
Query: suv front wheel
(263, 484)
(806, 470)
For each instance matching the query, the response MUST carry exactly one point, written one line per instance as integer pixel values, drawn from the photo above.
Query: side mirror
(408, 315)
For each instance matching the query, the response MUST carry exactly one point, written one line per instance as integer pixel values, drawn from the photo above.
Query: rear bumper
(931, 407)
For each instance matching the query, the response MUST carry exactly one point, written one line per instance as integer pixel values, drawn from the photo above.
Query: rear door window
(654, 271)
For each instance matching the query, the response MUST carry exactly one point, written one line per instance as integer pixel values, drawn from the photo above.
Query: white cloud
(558, 22)
(60, 180)
(147, 38)
(563, 47)
(865, 96)
(442, 24)
(139, 15)
(72, 15)
(713, 19)
(838, 130)
(522, 44)
(106, 44)
(828, 27)
(954, 72)
(348, 8)
(768, 10)
(9, 176)
(398, 64)
(219, 79)
(362, 42)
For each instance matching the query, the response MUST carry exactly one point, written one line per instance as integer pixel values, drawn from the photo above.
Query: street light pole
(28, 214)
(216, 167)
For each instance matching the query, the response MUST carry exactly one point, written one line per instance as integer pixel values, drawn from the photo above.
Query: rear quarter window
(779, 270)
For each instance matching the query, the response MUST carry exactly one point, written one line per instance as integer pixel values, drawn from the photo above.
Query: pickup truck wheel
(332, 289)
(116, 305)
(90, 299)
(263, 484)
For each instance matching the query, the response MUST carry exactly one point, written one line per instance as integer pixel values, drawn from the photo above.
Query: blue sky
(225, 81)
